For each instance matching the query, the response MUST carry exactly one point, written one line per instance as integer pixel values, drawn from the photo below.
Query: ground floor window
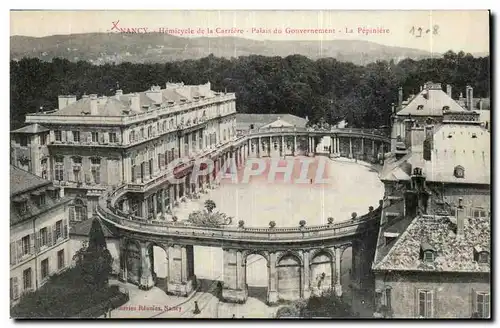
(483, 305)
(60, 259)
(425, 303)
(27, 281)
(14, 288)
(45, 268)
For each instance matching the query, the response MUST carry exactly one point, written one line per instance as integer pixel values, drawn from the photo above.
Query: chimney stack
(118, 93)
(460, 218)
(448, 90)
(93, 104)
(65, 101)
(468, 97)
(400, 97)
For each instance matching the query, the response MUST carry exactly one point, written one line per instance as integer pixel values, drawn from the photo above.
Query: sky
(447, 30)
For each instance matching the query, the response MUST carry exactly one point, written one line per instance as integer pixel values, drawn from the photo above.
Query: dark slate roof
(31, 129)
(453, 253)
(22, 181)
(83, 228)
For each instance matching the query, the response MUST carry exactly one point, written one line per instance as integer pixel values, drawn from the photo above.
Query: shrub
(330, 220)
(210, 205)
(272, 224)
(354, 215)
(241, 223)
(302, 223)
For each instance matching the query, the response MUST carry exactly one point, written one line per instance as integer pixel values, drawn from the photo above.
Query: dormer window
(420, 107)
(446, 108)
(474, 136)
(427, 253)
(21, 205)
(459, 172)
(481, 255)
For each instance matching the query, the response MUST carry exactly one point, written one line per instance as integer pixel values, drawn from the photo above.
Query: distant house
(246, 123)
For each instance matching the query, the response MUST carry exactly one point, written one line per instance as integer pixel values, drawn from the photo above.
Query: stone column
(283, 150)
(338, 286)
(307, 275)
(146, 280)
(295, 148)
(179, 280)
(144, 209)
(362, 148)
(123, 260)
(259, 146)
(162, 203)
(234, 288)
(373, 148)
(272, 288)
(350, 147)
(155, 205)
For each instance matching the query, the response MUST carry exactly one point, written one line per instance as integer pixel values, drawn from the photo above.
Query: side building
(39, 240)
(433, 252)
(88, 145)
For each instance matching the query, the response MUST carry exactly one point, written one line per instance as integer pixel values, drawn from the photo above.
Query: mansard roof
(430, 102)
(453, 253)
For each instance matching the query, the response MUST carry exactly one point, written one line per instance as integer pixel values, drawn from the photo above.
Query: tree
(328, 305)
(94, 261)
(210, 205)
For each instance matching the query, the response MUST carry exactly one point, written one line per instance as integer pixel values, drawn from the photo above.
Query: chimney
(400, 97)
(118, 93)
(448, 90)
(428, 145)
(134, 102)
(481, 104)
(460, 218)
(421, 88)
(65, 101)
(468, 97)
(93, 104)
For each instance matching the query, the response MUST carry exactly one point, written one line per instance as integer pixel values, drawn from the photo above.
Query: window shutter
(433, 303)
(417, 302)
(32, 243)
(54, 235)
(15, 287)
(72, 213)
(473, 303)
(13, 257)
(49, 237)
(65, 228)
(63, 136)
(37, 241)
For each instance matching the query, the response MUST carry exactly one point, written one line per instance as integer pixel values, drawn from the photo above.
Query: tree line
(323, 89)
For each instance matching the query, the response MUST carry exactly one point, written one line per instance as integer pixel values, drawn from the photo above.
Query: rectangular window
(95, 136)
(41, 200)
(43, 139)
(76, 136)
(60, 259)
(483, 305)
(425, 303)
(79, 213)
(59, 172)
(23, 141)
(44, 237)
(22, 207)
(388, 301)
(27, 279)
(59, 227)
(96, 169)
(112, 137)
(150, 131)
(26, 245)
(58, 135)
(45, 268)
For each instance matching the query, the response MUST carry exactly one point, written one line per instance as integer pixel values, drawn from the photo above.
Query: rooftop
(23, 181)
(243, 121)
(430, 102)
(32, 129)
(453, 253)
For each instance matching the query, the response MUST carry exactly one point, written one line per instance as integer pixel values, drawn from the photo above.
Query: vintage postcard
(250, 164)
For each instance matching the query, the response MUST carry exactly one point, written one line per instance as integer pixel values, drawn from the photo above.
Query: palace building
(432, 256)
(88, 145)
(39, 241)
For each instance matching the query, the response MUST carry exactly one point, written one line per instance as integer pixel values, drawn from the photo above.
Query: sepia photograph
(250, 164)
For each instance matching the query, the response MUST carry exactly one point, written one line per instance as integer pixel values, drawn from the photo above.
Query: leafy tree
(327, 305)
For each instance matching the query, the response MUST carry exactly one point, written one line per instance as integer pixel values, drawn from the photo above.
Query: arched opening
(321, 272)
(257, 277)
(289, 271)
(159, 265)
(324, 145)
(133, 262)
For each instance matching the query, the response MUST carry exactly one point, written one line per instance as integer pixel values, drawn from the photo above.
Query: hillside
(101, 48)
